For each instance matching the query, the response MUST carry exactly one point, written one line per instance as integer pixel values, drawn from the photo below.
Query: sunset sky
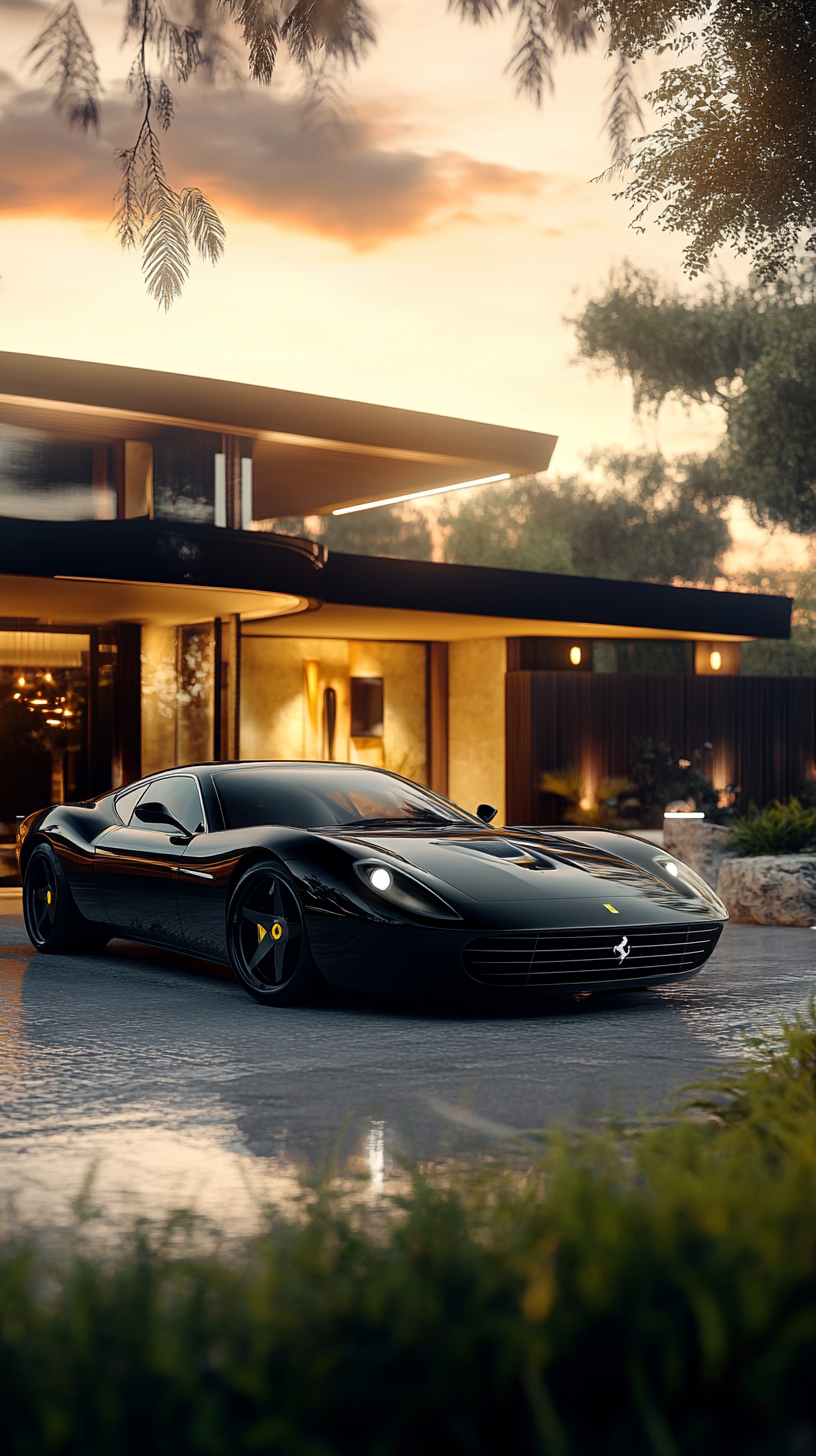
(423, 256)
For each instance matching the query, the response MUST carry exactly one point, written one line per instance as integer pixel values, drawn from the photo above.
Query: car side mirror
(156, 813)
(486, 813)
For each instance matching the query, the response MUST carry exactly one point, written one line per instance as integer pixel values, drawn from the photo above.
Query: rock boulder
(769, 889)
(703, 847)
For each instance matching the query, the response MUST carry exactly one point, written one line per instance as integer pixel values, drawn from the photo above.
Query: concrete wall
(476, 723)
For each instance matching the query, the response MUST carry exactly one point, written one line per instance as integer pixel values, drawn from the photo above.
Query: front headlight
(688, 882)
(403, 891)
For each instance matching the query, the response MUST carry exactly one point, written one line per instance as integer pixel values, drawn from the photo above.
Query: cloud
(358, 183)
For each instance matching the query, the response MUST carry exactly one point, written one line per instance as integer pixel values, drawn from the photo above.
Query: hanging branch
(324, 38)
(67, 60)
(150, 213)
(623, 111)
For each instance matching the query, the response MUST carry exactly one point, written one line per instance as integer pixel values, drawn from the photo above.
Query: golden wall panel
(476, 723)
(283, 686)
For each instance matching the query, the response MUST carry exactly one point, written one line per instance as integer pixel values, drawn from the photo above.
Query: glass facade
(121, 469)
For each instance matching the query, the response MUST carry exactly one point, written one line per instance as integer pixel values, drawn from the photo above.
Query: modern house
(149, 614)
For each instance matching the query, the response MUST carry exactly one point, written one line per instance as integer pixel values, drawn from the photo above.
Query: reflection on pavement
(177, 1090)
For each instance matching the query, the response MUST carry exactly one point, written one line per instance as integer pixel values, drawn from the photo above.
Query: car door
(137, 864)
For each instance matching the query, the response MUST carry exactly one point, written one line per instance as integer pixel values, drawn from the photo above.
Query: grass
(780, 829)
(633, 1292)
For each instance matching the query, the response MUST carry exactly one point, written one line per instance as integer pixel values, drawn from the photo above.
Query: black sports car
(296, 874)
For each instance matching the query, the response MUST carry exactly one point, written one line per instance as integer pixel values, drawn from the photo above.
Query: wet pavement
(161, 1076)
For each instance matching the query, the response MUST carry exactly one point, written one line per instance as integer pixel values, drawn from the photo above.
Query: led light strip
(395, 500)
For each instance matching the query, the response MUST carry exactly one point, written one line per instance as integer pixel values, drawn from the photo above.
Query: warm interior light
(715, 661)
(380, 879)
(48, 677)
(575, 656)
(395, 500)
(585, 803)
(21, 682)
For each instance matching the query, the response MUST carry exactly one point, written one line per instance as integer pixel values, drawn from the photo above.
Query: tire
(53, 924)
(266, 935)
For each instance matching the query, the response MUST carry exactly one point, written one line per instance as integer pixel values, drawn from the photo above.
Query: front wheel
(266, 934)
(53, 923)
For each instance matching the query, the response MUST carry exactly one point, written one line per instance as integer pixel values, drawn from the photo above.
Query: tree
(651, 521)
(734, 161)
(751, 350)
(797, 657)
(386, 531)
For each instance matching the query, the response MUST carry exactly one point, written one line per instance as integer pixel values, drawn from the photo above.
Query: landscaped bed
(633, 1290)
(763, 867)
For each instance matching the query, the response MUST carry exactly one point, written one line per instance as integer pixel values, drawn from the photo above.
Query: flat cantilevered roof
(104, 571)
(311, 454)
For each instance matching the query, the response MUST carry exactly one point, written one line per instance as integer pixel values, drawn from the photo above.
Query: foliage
(651, 520)
(751, 349)
(610, 806)
(663, 777)
(780, 829)
(733, 163)
(636, 1292)
(386, 531)
(797, 657)
(772, 428)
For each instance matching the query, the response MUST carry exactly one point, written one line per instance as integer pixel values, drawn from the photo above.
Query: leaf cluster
(399, 531)
(750, 349)
(734, 163)
(649, 520)
(638, 1291)
(780, 829)
(611, 806)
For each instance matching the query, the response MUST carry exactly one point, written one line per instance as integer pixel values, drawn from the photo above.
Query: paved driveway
(165, 1078)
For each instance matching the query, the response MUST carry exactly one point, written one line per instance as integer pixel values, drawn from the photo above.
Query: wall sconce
(715, 661)
(575, 656)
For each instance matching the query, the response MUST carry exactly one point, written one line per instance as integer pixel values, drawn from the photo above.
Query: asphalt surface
(160, 1079)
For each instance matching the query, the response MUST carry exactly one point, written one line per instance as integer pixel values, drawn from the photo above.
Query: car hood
(501, 865)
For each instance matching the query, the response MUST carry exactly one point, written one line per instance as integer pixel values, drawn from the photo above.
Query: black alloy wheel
(267, 939)
(53, 923)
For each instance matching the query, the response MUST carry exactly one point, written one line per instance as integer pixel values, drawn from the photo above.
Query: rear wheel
(268, 947)
(52, 921)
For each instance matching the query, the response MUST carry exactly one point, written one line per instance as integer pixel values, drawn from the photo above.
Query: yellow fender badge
(612, 909)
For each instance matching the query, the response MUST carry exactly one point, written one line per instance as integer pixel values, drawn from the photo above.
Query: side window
(126, 803)
(182, 798)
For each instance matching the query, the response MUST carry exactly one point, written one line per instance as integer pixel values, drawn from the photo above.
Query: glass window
(181, 796)
(316, 798)
(126, 803)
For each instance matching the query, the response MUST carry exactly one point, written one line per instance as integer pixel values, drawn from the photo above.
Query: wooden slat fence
(763, 730)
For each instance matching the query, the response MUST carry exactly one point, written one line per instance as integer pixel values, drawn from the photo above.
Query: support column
(437, 710)
(233, 674)
(127, 728)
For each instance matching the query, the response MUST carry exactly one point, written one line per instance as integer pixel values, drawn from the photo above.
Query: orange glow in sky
(425, 255)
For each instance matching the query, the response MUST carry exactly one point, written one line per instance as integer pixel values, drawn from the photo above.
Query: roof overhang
(311, 454)
(108, 571)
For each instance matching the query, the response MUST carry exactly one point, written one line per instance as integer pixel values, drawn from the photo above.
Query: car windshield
(314, 797)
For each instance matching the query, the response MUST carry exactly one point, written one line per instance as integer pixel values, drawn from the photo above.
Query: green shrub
(780, 829)
(649, 1291)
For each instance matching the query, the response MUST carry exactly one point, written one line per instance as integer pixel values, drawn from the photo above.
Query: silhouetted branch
(67, 59)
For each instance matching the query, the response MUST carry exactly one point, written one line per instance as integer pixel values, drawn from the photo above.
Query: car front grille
(553, 957)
